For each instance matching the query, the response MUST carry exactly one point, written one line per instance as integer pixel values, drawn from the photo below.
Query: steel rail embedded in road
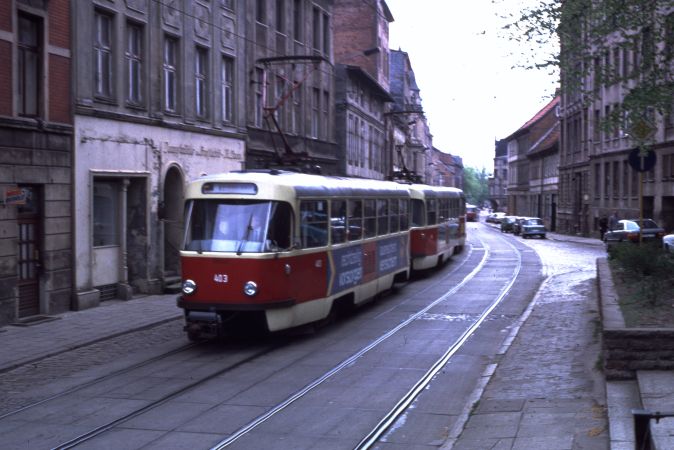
(100, 379)
(404, 403)
(347, 362)
(103, 428)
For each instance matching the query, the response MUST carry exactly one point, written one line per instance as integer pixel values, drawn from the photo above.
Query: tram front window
(237, 226)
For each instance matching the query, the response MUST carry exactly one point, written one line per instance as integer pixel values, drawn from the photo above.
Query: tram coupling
(203, 324)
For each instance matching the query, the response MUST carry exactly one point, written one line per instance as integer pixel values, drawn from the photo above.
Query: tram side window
(404, 215)
(432, 213)
(395, 216)
(314, 223)
(338, 221)
(382, 217)
(418, 213)
(455, 207)
(370, 219)
(444, 210)
(355, 219)
(280, 226)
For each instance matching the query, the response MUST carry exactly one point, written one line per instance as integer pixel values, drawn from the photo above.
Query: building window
(134, 62)
(669, 37)
(316, 26)
(260, 10)
(296, 112)
(106, 213)
(297, 20)
(326, 34)
(201, 81)
(29, 65)
(315, 116)
(281, 16)
(171, 74)
(259, 88)
(227, 86)
(326, 115)
(103, 54)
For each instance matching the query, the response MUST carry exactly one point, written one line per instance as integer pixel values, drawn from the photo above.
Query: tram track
(419, 386)
(406, 401)
(400, 407)
(111, 424)
(101, 379)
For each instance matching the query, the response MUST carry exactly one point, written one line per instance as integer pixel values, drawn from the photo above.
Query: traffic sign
(641, 159)
(642, 129)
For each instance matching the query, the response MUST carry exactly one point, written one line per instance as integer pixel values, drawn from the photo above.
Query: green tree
(581, 38)
(476, 185)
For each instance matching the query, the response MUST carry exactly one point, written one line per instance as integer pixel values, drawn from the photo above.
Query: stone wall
(626, 350)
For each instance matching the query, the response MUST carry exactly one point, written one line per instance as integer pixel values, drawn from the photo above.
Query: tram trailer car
(471, 213)
(282, 248)
(438, 227)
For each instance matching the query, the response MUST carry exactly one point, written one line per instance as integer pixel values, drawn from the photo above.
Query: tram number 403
(220, 278)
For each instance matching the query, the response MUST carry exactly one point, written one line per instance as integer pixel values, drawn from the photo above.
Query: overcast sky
(463, 66)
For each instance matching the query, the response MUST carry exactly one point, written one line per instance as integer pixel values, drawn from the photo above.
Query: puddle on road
(567, 288)
(447, 317)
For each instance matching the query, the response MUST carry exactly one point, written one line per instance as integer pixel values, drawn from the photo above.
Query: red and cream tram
(284, 247)
(438, 228)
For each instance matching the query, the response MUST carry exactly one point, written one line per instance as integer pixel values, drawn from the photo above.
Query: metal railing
(642, 429)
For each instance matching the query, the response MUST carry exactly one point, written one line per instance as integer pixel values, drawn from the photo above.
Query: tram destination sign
(641, 160)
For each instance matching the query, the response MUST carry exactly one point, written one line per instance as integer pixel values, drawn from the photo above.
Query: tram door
(29, 263)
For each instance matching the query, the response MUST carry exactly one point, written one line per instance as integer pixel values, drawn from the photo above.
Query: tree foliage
(475, 185)
(594, 36)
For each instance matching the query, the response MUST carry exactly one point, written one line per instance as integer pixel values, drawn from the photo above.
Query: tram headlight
(189, 287)
(250, 288)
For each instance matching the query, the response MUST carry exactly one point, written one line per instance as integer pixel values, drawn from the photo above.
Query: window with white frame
(134, 63)
(201, 81)
(227, 88)
(103, 54)
(170, 74)
(29, 59)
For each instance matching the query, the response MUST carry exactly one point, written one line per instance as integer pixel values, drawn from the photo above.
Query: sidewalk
(24, 344)
(545, 391)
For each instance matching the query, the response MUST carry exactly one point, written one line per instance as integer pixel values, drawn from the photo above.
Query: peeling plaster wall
(119, 149)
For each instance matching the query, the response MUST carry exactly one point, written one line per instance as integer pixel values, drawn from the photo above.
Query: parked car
(507, 224)
(668, 243)
(495, 217)
(627, 230)
(517, 225)
(532, 226)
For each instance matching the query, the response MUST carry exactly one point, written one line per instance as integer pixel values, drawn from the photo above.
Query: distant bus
(471, 213)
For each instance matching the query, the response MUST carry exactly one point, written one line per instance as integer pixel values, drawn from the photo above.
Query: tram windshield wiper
(243, 240)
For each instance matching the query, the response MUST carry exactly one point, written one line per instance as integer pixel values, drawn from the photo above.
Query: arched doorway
(172, 217)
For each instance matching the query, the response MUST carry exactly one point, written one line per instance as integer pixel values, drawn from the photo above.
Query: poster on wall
(15, 196)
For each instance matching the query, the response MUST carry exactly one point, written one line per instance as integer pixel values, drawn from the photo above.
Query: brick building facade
(35, 159)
